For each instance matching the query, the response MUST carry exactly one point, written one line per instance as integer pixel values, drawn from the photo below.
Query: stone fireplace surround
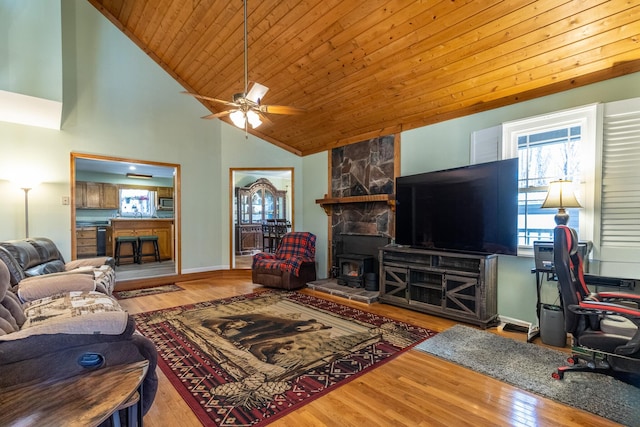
(362, 171)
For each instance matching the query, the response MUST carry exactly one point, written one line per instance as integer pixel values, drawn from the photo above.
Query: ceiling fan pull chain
(246, 61)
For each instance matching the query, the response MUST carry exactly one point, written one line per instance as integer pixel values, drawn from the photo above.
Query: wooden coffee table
(82, 400)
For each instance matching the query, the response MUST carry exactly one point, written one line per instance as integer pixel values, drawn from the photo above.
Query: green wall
(446, 145)
(118, 102)
(27, 68)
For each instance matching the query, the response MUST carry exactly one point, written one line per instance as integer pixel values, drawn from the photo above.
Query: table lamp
(560, 195)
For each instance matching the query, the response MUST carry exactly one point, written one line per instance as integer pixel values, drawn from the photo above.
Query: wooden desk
(83, 400)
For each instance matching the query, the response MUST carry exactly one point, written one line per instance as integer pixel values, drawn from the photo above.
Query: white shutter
(485, 145)
(620, 191)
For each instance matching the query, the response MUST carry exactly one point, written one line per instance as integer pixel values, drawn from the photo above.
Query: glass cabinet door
(280, 212)
(256, 208)
(269, 205)
(259, 202)
(244, 209)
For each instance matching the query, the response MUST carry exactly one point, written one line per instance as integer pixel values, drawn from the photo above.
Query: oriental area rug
(146, 291)
(250, 359)
(529, 367)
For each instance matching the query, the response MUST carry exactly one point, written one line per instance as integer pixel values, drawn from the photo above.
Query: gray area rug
(529, 367)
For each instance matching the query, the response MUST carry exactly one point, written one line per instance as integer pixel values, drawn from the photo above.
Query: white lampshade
(237, 117)
(254, 119)
(560, 195)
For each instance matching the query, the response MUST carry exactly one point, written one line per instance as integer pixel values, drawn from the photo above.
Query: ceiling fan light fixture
(254, 119)
(247, 107)
(238, 119)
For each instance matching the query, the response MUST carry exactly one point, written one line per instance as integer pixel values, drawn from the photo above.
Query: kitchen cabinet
(86, 242)
(165, 241)
(163, 228)
(88, 195)
(110, 197)
(165, 192)
(109, 239)
(96, 195)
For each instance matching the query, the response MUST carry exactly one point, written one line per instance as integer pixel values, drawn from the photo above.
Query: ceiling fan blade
(264, 118)
(257, 92)
(207, 98)
(217, 115)
(281, 109)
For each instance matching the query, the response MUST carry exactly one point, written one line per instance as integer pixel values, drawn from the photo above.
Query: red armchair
(291, 266)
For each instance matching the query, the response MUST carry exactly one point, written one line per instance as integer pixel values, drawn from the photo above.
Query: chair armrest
(618, 296)
(263, 255)
(599, 307)
(37, 287)
(89, 262)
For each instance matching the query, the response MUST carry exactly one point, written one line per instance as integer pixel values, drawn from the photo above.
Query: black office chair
(605, 326)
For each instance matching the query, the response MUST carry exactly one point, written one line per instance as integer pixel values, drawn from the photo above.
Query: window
(137, 203)
(554, 146)
(560, 145)
(545, 156)
(607, 149)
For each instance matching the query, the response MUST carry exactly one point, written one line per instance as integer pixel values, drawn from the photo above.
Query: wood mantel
(328, 202)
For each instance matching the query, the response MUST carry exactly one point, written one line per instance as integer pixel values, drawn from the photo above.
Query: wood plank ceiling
(371, 67)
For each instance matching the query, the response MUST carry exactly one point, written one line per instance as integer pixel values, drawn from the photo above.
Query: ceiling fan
(247, 107)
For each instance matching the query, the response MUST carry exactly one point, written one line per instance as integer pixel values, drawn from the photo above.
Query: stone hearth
(331, 286)
(366, 168)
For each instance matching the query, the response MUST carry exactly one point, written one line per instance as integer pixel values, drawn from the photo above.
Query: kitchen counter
(91, 224)
(131, 219)
(161, 227)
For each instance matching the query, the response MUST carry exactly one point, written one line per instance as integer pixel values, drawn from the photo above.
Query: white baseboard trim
(204, 269)
(514, 321)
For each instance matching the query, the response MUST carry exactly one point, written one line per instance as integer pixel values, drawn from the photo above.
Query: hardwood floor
(144, 270)
(415, 389)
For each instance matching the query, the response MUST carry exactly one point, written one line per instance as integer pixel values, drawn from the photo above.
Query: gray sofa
(37, 269)
(67, 334)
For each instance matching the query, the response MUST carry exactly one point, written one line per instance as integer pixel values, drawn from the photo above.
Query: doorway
(117, 196)
(257, 197)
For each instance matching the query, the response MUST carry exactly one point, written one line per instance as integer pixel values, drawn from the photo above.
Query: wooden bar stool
(156, 250)
(134, 248)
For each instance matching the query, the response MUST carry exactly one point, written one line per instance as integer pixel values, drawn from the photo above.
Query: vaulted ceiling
(374, 67)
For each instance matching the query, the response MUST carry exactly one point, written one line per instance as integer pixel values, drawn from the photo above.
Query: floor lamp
(26, 184)
(26, 210)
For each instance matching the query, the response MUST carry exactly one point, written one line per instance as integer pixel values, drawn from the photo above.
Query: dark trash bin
(552, 326)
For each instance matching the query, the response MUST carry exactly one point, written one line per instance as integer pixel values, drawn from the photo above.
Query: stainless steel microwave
(165, 203)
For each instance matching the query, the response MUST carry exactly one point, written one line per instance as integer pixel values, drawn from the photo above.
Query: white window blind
(620, 189)
(485, 145)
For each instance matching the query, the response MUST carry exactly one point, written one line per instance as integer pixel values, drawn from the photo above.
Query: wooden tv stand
(460, 286)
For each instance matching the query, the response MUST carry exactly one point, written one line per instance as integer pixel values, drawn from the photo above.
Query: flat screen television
(471, 209)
